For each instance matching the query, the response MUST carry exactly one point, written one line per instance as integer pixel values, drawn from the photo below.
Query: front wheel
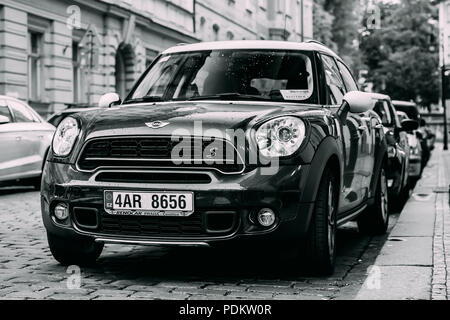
(82, 252)
(375, 220)
(320, 251)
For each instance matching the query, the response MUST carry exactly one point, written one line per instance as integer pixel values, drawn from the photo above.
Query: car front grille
(156, 152)
(199, 224)
(152, 226)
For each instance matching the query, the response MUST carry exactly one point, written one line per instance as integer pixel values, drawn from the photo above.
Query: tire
(375, 219)
(83, 252)
(320, 246)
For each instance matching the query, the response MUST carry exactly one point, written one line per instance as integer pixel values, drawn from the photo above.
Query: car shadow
(150, 264)
(8, 190)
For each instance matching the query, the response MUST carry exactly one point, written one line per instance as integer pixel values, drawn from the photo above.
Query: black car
(221, 143)
(412, 111)
(398, 148)
(56, 118)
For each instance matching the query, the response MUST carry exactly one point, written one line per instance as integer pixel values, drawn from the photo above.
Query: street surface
(28, 271)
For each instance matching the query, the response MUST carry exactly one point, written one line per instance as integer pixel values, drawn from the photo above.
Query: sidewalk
(415, 261)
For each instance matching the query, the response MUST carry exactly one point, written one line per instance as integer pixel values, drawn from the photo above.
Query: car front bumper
(231, 199)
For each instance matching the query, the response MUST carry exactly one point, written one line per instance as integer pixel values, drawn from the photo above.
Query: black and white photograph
(243, 151)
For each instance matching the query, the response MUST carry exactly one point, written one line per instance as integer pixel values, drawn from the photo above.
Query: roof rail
(315, 41)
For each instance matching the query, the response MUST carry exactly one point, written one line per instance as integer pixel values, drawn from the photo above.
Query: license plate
(155, 204)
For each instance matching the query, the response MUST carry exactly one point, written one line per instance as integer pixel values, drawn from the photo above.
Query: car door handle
(18, 138)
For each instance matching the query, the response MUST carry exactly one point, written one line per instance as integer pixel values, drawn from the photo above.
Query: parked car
(56, 118)
(221, 143)
(25, 139)
(398, 148)
(415, 157)
(412, 112)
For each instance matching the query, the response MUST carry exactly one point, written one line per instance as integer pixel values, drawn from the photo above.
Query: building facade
(444, 26)
(59, 52)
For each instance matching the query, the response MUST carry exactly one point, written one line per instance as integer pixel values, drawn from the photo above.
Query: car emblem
(157, 124)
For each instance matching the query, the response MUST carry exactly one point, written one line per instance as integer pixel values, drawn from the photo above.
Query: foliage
(402, 57)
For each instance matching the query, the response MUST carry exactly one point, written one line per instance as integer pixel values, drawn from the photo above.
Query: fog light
(266, 217)
(61, 211)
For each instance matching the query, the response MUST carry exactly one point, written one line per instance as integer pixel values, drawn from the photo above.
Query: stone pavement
(28, 271)
(415, 261)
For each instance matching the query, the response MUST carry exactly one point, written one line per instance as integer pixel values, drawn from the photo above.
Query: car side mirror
(409, 125)
(4, 120)
(357, 102)
(423, 123)
(108, 100)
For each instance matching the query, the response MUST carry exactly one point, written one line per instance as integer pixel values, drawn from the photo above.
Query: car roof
(404, 103)
(252, 44)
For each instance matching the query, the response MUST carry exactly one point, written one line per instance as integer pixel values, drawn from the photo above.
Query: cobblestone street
(28, 271)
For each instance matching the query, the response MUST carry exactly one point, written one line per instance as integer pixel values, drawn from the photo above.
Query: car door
(29, 140)
(354, 133)
(368, 130)
(401, 138)
(10, 144)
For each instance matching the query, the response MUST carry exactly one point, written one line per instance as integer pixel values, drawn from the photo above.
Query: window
(382, 109)
(34, 65)
(335, 85)
(4, 110)
(259, 75)
(21, 112)
(349, 81)
(216, 30)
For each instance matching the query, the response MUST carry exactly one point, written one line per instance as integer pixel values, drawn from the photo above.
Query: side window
(4, 110)
(21, 113)
(349, 81)
(336, 87)
(382, 109)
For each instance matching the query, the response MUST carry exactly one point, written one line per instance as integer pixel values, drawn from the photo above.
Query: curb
(404, 267)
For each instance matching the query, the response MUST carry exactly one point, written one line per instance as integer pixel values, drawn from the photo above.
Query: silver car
(25, 139)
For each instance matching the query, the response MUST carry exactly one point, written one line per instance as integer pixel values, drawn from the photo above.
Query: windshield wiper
(145, 99)
(230, 96)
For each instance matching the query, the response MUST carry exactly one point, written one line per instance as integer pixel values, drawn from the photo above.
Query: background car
(412, 112)
(415, 156)
(398, 149)
(25, 139)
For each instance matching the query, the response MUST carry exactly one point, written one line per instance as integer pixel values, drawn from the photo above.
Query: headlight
(280, 137)
(65, 136)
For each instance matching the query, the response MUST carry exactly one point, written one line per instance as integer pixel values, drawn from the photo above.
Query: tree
(402, 56)
(323, 25)
(345, 29)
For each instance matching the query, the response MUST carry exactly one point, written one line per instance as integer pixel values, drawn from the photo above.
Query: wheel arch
(328, 154)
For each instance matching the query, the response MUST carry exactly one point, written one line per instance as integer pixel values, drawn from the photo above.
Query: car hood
(187, 118)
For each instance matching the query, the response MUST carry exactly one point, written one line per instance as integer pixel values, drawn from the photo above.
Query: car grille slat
(151, 226)
(157, 152)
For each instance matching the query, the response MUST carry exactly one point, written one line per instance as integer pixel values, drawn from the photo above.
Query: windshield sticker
(296, 94)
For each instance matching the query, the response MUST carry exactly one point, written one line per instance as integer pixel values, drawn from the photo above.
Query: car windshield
(259, 75)
(411, 111)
